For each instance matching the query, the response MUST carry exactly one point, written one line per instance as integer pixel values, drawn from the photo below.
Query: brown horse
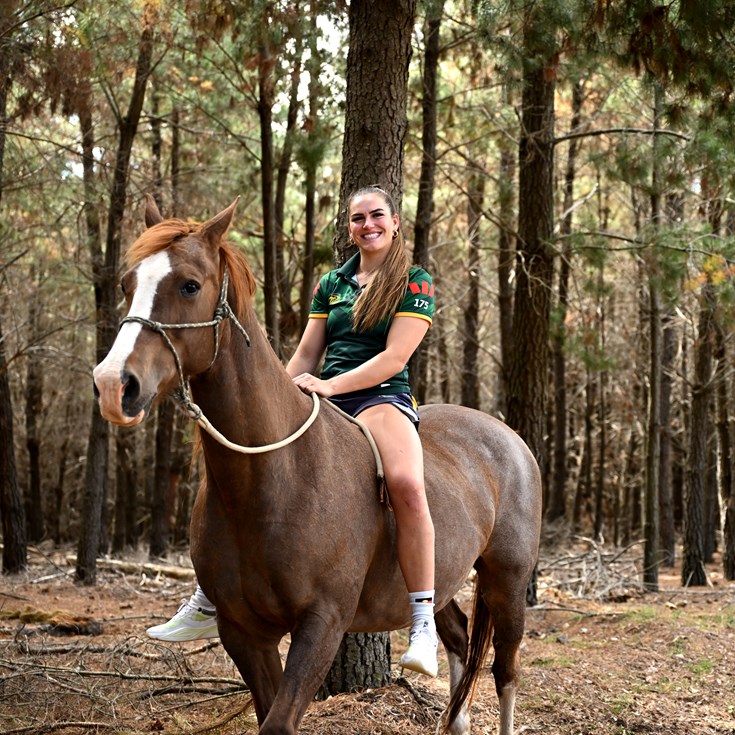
(294, 540)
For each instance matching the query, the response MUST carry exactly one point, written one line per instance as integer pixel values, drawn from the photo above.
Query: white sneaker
(421, 653)
(189, 624)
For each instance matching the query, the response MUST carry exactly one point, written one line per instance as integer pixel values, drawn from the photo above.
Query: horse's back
(480, 477)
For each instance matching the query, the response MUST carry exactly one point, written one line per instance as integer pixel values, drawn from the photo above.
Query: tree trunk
(693, 572)
(418, 366)
(266, 92)
(556, 506)
(162, 480)
(506, 194)
(358, 665)
(34, 407)
(666, 506)
(651, 556)
(372, 153)
(11, 497)
(375, 111)
(288, 324)
(312, 157)
(584, 481)
(471, 346)
(725, 444)
(529, 364)
(105, 279)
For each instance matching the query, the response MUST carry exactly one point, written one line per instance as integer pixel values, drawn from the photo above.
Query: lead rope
(183, 393)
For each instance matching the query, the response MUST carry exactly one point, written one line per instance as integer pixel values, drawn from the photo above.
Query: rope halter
(183, 393)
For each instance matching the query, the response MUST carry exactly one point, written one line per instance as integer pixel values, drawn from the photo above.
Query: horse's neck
(247, 394)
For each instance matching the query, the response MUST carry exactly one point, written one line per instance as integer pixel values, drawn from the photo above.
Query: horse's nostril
(131, 392)
(95, 390)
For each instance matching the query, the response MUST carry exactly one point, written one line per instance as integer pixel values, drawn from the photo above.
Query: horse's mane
(170, 233)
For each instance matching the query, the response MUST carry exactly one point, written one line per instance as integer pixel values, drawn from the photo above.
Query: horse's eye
(190, 288)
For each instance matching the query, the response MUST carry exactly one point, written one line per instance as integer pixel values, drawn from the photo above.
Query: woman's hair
(382, 296)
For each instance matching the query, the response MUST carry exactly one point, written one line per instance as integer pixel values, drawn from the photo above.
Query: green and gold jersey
(333, 300)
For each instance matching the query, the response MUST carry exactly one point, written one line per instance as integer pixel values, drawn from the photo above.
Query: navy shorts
(404, 402)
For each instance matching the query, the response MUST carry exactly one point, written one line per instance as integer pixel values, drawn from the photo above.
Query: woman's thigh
(399, 446)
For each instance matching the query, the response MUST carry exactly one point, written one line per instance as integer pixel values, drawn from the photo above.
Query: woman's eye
(190, 288)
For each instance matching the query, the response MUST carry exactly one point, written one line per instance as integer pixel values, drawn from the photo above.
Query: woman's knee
(409, 493)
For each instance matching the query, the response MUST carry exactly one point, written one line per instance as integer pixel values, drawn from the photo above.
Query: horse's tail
(481, 637)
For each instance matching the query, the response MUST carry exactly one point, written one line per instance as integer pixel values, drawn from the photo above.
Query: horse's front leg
(259, 665)
(314, 644)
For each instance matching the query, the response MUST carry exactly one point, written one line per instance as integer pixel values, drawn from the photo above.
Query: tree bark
(266, 92)
(11, 498)
(288, 323)
(105, 279)
(418, 366)
(376, 123)
(34, 407)
(312, 157)
(666, 506)
(372, 153)
(470, 395)
(725, 445)
(693, 571)
(529, 364)
(15, 542)
(556, 507)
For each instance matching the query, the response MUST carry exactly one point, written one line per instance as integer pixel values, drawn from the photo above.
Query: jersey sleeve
(419, 299)
(320, 299)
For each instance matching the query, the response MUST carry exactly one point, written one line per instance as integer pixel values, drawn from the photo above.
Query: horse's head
(175, 276)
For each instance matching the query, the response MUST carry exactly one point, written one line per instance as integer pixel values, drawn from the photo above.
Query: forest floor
(600, 657)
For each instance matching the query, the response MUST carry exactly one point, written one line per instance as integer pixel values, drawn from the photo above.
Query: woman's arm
(404, 337)
(310, 349)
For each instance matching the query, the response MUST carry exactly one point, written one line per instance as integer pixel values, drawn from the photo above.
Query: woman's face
(371, 225)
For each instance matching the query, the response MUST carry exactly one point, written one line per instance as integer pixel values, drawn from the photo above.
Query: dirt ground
(599, 657)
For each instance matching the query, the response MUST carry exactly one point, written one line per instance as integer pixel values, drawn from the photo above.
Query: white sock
(422, 609)
(200, 600)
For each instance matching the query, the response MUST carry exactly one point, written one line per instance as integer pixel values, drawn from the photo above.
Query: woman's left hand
(311, 384)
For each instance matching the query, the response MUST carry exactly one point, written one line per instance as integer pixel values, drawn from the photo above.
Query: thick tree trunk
(375, 116)
(372, 153)
(11, 497)
(105, 279)
(358, 665)
(529, 365)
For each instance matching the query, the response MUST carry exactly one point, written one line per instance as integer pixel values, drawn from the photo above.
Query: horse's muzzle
(119, 396)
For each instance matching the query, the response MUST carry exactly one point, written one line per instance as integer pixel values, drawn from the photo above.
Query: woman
(369, 316)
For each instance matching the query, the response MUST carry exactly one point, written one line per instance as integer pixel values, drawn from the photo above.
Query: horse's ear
(152, 213)
(214, 230)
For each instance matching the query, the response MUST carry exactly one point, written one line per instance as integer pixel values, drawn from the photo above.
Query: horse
(288, 535)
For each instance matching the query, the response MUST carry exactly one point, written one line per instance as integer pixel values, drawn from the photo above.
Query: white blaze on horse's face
(108, 375)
